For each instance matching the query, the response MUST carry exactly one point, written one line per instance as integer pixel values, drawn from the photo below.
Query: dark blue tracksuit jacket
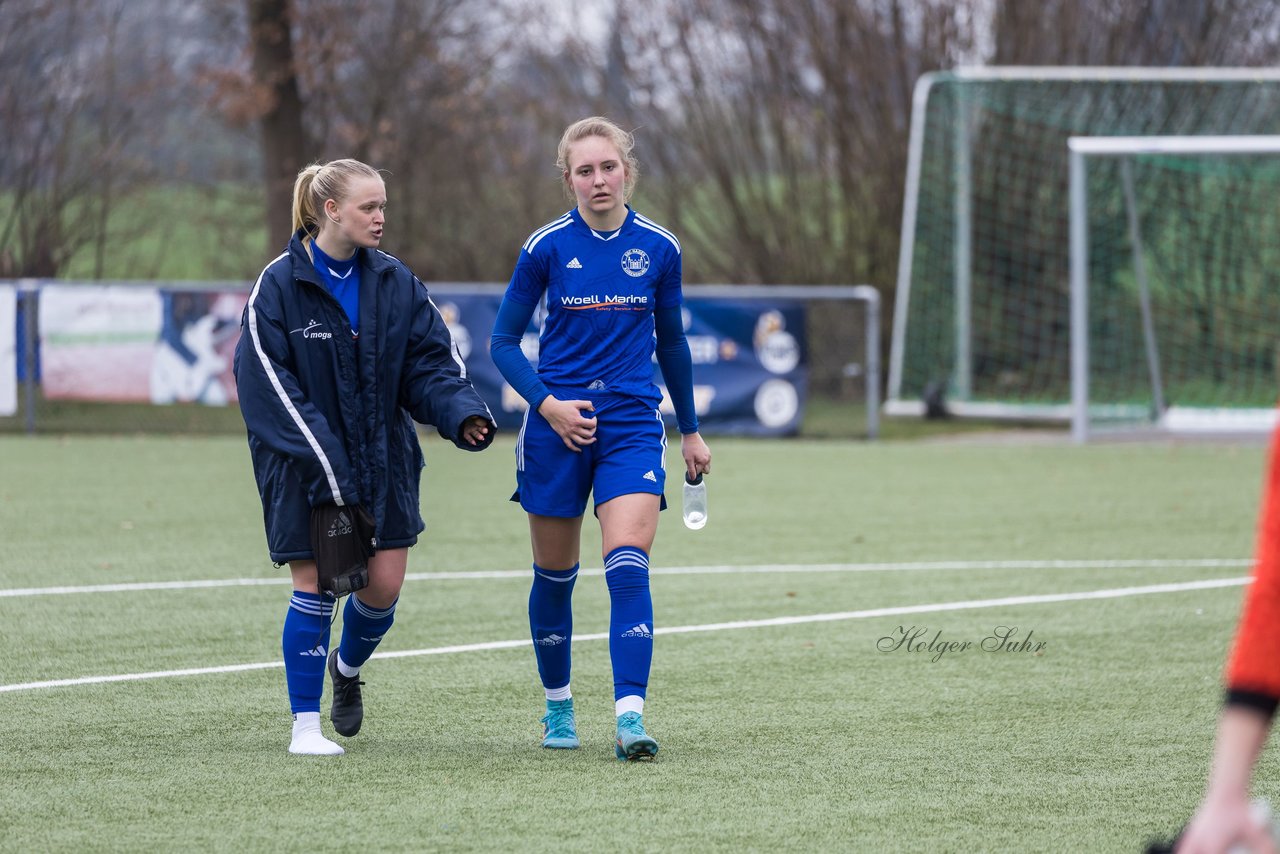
(330, 416)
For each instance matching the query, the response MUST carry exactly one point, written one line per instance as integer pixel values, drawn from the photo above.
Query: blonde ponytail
(322, 181)
(304, 207)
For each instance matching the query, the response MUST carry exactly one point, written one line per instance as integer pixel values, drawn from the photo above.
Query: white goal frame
(895, 404)
(1172, 419)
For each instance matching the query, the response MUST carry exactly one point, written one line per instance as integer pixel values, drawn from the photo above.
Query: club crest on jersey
(635, 262)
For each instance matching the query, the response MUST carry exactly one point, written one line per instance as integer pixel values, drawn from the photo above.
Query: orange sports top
(1253, 670)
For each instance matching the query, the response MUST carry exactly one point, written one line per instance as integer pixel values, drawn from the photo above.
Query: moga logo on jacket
(308, 331)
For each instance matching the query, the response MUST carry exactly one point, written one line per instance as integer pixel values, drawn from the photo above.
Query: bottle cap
(694, 482)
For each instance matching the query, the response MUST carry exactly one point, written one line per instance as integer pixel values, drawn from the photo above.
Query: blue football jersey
(601, 291)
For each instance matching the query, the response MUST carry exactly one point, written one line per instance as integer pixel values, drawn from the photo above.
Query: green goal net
(1175, 283)
(982, 316)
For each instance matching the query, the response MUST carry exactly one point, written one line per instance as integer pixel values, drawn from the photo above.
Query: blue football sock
(363, 628)
(551, 623)
(305, 643)
(626, 571)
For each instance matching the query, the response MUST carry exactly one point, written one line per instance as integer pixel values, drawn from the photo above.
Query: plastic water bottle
(1260, 810)
(695, 502)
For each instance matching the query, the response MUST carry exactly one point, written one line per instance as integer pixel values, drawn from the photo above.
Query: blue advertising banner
(749, 363)
(167, 345)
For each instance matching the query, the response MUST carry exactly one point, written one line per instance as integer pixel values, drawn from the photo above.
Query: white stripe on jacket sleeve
(283, 395)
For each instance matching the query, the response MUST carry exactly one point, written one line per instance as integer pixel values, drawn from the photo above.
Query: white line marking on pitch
(1041, 599)
(917, 566)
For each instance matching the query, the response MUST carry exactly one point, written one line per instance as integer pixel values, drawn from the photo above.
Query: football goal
(1175, 283)
(982, 322)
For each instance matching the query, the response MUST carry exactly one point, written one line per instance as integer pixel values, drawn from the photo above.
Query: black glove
(343, 541)
(1161, 846)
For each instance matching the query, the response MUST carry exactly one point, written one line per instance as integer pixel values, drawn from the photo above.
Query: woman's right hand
(1224, 825)
(567, 419)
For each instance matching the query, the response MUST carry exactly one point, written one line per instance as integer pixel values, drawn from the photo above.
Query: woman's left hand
(697, 456)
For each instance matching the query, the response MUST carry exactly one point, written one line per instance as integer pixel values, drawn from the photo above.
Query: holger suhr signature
(920, 639)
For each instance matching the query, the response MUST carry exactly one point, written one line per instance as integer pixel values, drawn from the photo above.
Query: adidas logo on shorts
(650, 476)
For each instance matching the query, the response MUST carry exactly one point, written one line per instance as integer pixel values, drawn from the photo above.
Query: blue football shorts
(628, 456)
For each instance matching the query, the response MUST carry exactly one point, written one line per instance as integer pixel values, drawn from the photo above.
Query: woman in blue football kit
(341, 350)
(609, 280)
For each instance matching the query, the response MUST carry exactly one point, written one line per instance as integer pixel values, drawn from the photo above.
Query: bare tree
(782, 127)
(773, 132)
(415, 87)
(1146, 33)
(275, 83)
(81, 117)
(423, 106)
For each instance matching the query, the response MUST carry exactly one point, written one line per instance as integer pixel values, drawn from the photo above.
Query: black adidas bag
(343, 541)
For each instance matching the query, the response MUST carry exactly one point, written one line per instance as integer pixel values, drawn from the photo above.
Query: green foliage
(182, 233)
(797, 736)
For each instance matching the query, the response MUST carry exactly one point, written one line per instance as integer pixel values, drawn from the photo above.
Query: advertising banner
(192, 359)
(142, 344)
(749, 364)
(130, 344)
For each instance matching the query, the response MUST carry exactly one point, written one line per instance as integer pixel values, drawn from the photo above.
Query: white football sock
(307, 738)
(632, 703)
(346, 669)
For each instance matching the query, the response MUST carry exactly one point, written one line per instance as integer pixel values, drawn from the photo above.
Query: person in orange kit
(1225, 819)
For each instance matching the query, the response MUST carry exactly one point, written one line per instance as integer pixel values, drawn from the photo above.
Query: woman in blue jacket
(341, 350)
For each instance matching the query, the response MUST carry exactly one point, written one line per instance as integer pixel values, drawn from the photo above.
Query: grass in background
(786, 737)
(182, 233)
(824, 418)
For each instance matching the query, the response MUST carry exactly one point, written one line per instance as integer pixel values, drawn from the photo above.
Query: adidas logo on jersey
(650, 476)
(550, 640)
(640, 631)
(575, 264)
